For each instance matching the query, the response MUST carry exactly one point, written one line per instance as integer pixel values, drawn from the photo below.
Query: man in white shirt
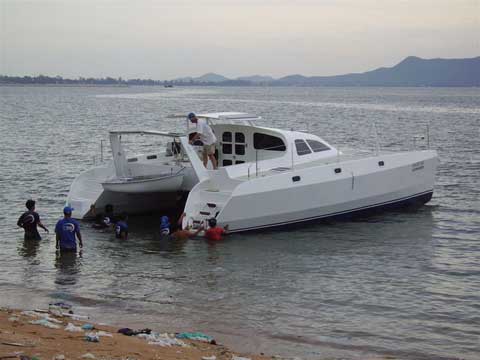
(207, 137)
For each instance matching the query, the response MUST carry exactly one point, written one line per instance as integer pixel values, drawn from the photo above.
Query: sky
(167, 39)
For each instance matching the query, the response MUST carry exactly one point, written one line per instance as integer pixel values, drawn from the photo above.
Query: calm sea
(402, 284)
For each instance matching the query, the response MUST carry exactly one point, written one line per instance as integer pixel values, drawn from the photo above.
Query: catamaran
(266, 177)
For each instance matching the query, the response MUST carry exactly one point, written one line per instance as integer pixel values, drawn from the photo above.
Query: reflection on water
(68, 266)
(29, 248)
(402, 284)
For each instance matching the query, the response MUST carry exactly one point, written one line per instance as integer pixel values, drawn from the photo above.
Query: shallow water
(403, 284)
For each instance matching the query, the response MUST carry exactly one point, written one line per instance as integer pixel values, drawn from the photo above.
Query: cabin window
(239, 162)
(268, 142)
(227, 136)
(302, 147)
(239, 149)
(227, 148)
(239, 137)
(227, 162)
(317, 146)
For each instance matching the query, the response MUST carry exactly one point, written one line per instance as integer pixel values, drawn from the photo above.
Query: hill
(412, 71)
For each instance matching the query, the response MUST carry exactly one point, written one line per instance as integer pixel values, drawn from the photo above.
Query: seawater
(402, 284)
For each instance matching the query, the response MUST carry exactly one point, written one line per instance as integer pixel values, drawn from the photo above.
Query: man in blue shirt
(121, 227)
(66, 230)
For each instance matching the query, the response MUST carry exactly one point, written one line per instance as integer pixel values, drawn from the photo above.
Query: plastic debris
(235, 357)
(195, 336)
(13, 344)
(92, 337)
(31, 313)
(213, 357)
(13, 319)
(44, 322)
(71, 327)
(104, 333)
(75, 316)
(53, 320)
(88, 356)
(55, 311)
(161, 339)
(61, 305)
(88, 327)
(130, 332)
(126, 331)
(59, 357)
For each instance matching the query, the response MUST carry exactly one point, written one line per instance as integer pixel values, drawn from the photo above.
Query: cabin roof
(229, 115)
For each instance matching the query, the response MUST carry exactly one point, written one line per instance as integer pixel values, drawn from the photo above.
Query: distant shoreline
(65, 85)
(410, 72)
(239, 86)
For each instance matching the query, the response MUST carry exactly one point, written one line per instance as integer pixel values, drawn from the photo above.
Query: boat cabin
(241, 141)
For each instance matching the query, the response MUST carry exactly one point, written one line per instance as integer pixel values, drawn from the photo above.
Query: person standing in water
(164, 226)
(29, 221)
(215, 232)
(67, 231)
(121, 227)
(208, 138)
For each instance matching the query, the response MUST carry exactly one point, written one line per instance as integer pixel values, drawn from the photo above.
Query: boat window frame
(315, 150)
(273, 147)
(305, 151)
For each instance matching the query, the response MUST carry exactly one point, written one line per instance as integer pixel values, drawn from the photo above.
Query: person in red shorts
(215, 232)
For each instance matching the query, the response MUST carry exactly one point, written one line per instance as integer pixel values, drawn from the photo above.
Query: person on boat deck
(121, 227)
(206, 135)
(29, 221)
(215, 232)
(67, 231)
(164, 226)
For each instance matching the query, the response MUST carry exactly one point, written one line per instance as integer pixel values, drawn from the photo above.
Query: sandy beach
(47, 339)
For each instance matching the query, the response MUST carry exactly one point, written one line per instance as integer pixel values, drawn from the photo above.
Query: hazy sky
(166, 39)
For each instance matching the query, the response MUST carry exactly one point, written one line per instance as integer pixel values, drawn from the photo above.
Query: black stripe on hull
(413, 201)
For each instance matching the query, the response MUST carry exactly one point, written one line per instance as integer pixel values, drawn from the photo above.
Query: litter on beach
(198, 336)
(131, 332)
(92, 337)
(161, 339)
(88, 356)
(72, 328)
(44, 322)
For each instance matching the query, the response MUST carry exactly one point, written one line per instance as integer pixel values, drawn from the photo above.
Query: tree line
(47, 80)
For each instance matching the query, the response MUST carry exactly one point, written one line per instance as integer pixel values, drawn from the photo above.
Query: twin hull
(325, 191)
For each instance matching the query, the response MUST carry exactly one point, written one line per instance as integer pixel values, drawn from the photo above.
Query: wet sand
(18, 337)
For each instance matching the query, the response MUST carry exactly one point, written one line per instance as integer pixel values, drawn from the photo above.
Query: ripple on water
(403, 284)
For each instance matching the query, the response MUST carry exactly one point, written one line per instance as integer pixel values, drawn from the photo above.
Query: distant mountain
(256, 78)
(211, 77)
(412, 71)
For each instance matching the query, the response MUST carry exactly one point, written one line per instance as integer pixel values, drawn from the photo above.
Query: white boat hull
(320, 192)
(145, 185)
